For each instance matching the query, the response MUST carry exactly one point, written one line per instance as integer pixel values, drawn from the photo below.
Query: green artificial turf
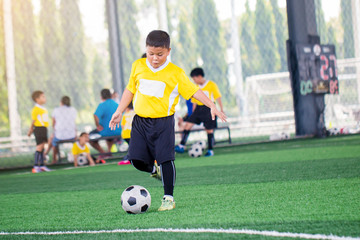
(299, 186)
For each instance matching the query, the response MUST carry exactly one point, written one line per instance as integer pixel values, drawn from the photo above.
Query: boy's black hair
(143, 56)
(105, 93)
(158, 38)
(197, 72)
(36, 94)
(66, 101)
(82, 134)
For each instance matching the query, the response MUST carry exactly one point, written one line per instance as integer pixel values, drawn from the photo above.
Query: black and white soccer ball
(82, 159)
(195, 150)
(135, 199)
(202, 143)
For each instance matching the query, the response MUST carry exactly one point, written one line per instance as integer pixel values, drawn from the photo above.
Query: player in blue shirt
(102, 117)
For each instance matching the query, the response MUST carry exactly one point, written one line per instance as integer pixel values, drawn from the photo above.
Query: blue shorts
(152, 139)
(56, 140)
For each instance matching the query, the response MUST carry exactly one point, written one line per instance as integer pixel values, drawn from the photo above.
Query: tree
(4, 118)
(27, 64)
(184, 50)
(280, 33)
(265, 38)
(346, 22)
(75, 79)
(54, 81)
(210, 43)
(249, 51)
(129, 35)
(320, 22)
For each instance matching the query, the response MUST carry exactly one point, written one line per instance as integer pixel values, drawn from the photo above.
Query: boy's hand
(30, 132)
(115, 120)
(215, 112)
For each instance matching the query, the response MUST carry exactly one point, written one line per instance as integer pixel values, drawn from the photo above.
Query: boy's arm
(124, 102)
(97, 123)
(91, 160)
(220, 104)
(31, 129)
(200, 95)
(75, 160)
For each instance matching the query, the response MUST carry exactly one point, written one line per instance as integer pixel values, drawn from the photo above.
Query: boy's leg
(181, 147)
(211, 141)
(142, 166)
(168, 173)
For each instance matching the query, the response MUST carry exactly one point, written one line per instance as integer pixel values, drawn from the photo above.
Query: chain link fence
(62, 48)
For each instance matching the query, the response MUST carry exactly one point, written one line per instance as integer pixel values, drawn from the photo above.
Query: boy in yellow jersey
(39, 124)
(126, 123)
(80, 147)
(202, 113)
(154, 87)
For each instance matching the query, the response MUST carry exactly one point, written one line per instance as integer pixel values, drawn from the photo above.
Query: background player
(64, 123)
(202, 113)
(39, 124)
(102, 117)
(154, 87)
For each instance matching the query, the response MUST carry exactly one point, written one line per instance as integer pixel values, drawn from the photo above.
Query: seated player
(202, 113)
(64, 123)
(80, 147)
(102, 117)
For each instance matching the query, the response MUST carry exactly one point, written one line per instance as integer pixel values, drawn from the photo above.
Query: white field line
(197, 230)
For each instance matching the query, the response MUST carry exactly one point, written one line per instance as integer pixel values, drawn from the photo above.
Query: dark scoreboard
(317, 69)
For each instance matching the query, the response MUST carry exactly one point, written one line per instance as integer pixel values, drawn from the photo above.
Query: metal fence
(62, 48)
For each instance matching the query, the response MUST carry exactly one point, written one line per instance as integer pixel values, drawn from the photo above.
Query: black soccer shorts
(203, 114)
(152, 139)
(40, 135)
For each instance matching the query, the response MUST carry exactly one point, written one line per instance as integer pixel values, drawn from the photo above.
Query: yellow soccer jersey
(78, 149)
(126, 121)
(40, 115)
(210, 89)
(156, 91)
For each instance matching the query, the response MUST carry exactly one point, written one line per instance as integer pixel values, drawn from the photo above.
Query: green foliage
(249, 50)
(4, 119)
(129, 36)
(347, 24)
(280, 33)
(265, 38)
(320, 22)
(184, 50)
(27, 62)
(210, 43)
(52, 54)
(74, 74)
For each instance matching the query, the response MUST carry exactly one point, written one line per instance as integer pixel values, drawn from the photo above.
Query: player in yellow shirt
(39, 124)
(126, 123)
(80, 147)
(202, 113)
(154, 87)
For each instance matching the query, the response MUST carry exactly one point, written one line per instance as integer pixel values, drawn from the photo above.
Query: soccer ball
(195, 151)
(82, 160)
(202, 143)
(135, 199)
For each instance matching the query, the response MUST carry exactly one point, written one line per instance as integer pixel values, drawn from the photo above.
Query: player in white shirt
(64, 125)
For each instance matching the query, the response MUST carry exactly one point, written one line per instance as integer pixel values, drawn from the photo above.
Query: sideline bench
(216, 129)
(96, 139)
